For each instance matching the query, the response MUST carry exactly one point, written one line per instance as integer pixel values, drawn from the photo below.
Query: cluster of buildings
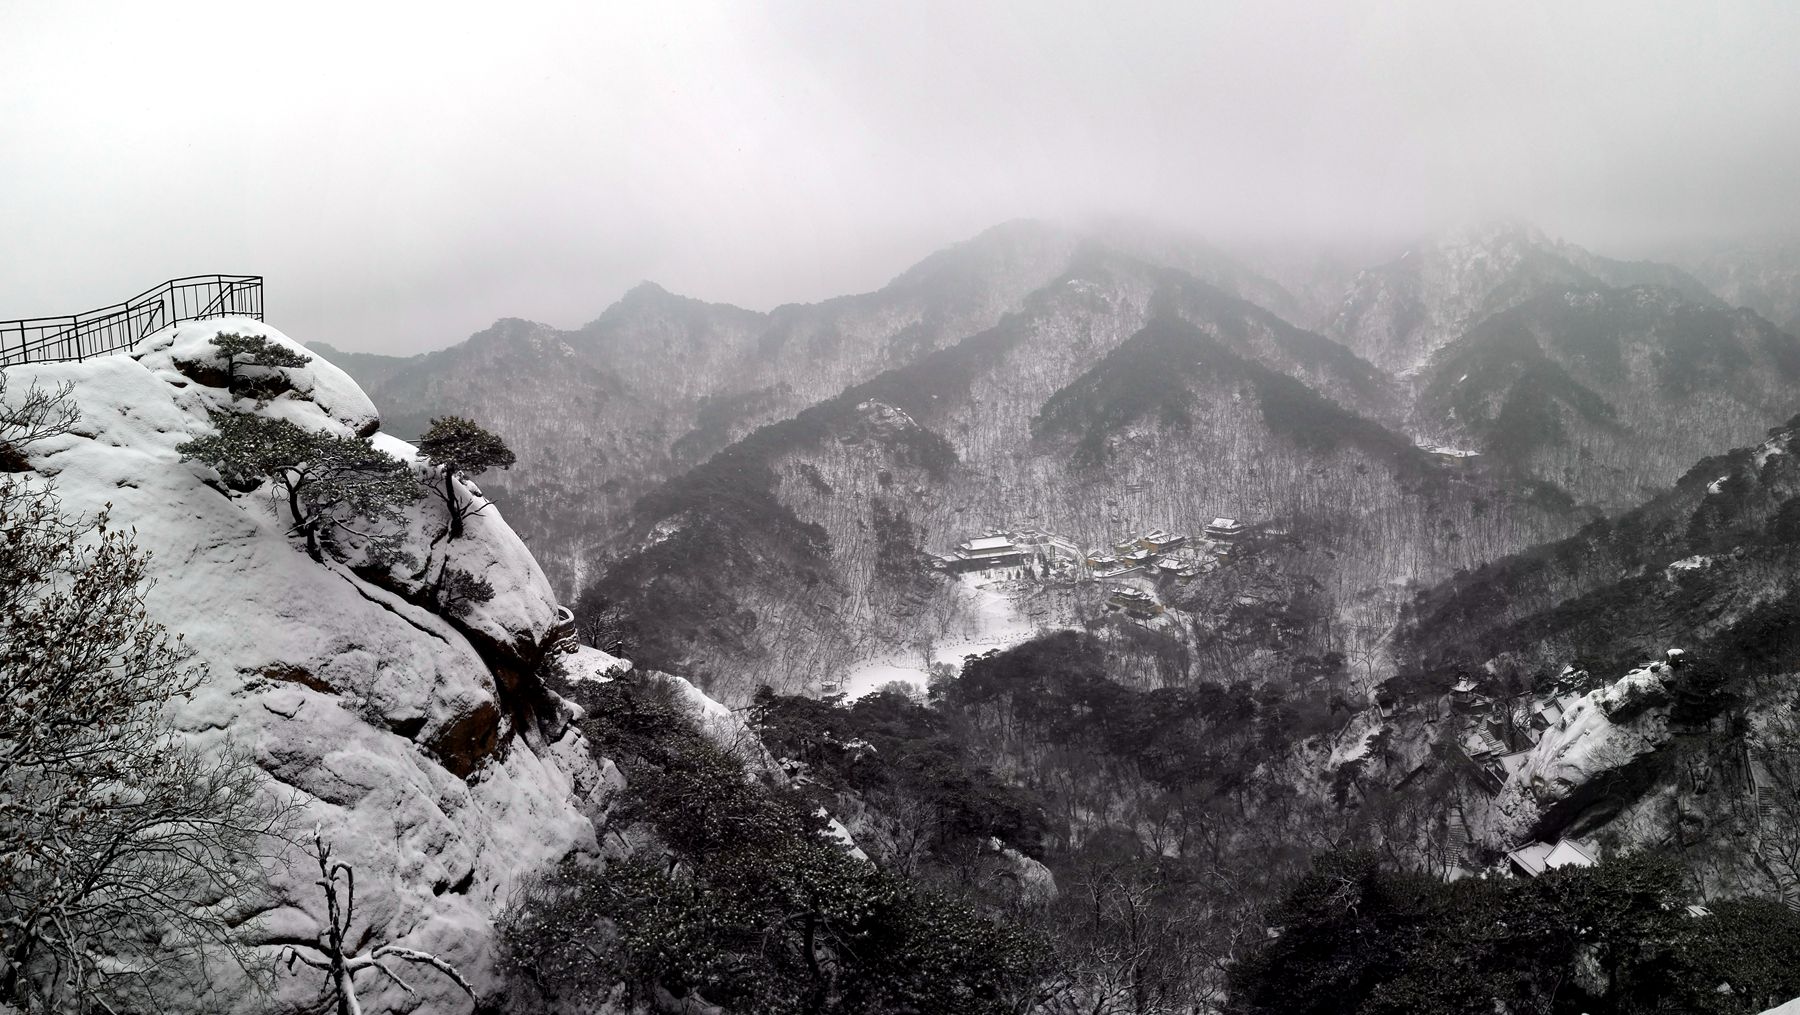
(1003, 552)
(1151, 557)
(1153, 554)
(1496, 735)
(1160, 554)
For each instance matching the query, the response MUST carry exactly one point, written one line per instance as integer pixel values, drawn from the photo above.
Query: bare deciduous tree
(125, 853)
(336, 958)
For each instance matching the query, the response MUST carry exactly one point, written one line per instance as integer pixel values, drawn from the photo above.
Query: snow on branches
(459, 447)
(329, 481)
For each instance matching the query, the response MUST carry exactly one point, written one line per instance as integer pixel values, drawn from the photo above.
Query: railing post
(112, 329)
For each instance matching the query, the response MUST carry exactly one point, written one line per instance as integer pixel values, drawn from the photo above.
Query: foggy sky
(406, 173)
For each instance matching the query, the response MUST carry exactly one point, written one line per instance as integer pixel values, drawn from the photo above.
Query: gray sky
(406, 173)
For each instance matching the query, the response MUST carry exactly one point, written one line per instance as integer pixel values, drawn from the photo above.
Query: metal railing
(120, 326)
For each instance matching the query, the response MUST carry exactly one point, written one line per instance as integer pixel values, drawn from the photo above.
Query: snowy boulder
(1593, 747)
(186, 353)
(726, 729)
(591, 664)
(1033, 883)
(419, 738)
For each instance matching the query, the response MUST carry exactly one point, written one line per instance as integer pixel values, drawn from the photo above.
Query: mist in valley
(1032, 508)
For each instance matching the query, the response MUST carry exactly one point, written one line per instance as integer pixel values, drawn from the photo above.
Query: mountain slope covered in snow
(1122, 396)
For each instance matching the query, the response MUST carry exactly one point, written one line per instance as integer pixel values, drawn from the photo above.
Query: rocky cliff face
(423, 745)
(1599, 738)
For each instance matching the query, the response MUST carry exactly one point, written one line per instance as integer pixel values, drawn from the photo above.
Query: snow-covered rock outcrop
(1603, 733)
(437, 764)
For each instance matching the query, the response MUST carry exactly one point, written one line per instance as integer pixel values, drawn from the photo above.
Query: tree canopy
(241, 350)
(459, 446)
(329, 480)
(121, 847)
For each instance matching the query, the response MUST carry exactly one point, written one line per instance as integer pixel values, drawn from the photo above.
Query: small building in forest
(1134, 602)
(992, 552)
(1533, 860)
(1224, 530)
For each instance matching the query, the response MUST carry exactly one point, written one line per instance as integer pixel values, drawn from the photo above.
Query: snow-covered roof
(988, 543)
(1514, 763)
(1445, 450)
(1539, 857)
(1223, 523)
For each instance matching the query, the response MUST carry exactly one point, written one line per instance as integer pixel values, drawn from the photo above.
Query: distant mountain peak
(646, 290)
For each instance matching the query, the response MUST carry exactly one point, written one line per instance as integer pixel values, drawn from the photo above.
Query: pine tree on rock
(460, 591)
(253, 351)
(460, 447)
(330, 481)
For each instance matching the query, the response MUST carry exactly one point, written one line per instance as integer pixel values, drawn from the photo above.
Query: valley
(771, 524)
(820, 508)
(1204, 588)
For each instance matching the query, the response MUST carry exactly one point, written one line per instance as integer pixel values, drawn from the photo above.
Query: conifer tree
(460, 447)
(329, 481)
(460, 591)
(253, 351)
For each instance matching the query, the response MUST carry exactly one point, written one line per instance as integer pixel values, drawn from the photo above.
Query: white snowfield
(436, 763)
(993, 624)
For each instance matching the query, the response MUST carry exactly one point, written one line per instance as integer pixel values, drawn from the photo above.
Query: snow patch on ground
(1697, 562)
(835, 830)
(1354, 744)
(1790, 1008)
(995, 624)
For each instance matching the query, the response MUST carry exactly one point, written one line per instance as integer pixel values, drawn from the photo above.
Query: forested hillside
(1122, 395)
(659, 382)
(1609, 394)
(753, 497)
